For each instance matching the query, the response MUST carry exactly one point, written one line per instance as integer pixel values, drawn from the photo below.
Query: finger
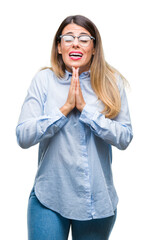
(76, 72)
(77, 85)
(73, 74)
(73, 80)
(78, 81)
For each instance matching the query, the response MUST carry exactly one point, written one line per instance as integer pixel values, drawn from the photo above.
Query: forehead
(74, 29)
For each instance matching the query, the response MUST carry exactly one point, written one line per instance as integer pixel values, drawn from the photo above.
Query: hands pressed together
(75, 97)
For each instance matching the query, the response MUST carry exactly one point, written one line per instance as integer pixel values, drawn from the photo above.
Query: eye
(68, 38)
(84, 38)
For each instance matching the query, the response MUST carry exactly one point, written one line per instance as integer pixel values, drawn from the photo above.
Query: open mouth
(75, 55)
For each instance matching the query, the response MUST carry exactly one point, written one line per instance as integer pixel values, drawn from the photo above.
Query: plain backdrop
(27, 31)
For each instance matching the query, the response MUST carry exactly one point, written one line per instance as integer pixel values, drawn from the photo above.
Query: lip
(75, 58)
(75, 52)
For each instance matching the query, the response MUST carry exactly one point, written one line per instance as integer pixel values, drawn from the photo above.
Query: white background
(27, 31)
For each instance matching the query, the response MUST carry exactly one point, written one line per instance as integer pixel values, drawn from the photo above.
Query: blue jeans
(46, 224)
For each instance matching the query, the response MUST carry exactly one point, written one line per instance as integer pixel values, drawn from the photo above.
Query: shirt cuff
(89, 113)
(56, 118)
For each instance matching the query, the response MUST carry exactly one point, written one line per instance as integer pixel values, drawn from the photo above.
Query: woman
(76, 111)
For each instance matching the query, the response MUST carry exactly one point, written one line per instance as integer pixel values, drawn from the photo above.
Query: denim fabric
(74, 176)
(45, 224)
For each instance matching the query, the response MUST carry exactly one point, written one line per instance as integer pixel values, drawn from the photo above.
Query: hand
(75, 97)
(79, 100)
(70, 103)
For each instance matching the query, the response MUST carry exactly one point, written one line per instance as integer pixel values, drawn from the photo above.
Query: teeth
(76, 54)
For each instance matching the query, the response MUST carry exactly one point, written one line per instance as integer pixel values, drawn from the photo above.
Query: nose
(76, 42)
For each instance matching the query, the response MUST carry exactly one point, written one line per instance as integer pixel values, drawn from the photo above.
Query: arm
(117, 132)
(34, 125)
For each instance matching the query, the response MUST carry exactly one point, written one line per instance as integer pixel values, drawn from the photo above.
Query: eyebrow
(80, 33)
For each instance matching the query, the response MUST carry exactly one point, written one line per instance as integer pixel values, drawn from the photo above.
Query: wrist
(65, 109)
(82, 107)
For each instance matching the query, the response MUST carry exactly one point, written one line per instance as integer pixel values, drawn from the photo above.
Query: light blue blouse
(74, 176)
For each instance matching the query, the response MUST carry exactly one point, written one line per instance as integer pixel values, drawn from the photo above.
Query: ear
(94, 51)
(59, 48)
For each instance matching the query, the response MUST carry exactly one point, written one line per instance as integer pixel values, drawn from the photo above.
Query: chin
(75, 65)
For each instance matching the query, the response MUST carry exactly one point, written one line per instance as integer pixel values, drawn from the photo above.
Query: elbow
(125, 143)
(22, 144)
(21, 139)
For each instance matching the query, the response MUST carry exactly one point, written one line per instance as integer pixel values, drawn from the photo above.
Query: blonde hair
(103, 76)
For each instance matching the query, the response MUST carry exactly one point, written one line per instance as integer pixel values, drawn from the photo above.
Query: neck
(81, 69)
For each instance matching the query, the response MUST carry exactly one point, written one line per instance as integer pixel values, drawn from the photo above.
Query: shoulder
(42, 77)
(40, 81)
(44, 73)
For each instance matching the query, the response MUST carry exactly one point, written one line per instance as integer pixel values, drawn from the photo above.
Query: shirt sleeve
(118, 131)
(34, 125)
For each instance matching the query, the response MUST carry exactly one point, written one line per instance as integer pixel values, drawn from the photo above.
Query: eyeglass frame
(91, 37)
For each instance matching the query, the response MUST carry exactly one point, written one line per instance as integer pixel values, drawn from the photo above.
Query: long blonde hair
(103, 77)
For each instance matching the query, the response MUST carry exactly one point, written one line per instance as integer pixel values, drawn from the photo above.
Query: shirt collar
(83, 75)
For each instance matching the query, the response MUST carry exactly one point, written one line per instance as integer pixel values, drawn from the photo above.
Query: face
(83, 60)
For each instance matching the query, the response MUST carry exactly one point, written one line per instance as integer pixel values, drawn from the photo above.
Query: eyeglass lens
(83, 40)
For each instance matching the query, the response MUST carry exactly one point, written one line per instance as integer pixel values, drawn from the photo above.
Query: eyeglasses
(84, 40)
